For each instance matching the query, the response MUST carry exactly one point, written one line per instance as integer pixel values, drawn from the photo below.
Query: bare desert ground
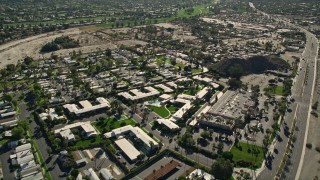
(91, 40)
(12, 52)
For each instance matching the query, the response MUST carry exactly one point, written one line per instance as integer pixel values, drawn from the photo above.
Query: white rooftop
(128, 148)
(202, 93)
(186, 96)
(66, 132)
(171, 125)
(23, 147)
(138, 94)
(139, 133)
(165, 97)
(87, 106)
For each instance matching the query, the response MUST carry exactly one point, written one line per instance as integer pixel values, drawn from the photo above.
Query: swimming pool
(154, 102)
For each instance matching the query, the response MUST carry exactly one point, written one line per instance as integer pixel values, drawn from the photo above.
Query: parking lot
(7, 169)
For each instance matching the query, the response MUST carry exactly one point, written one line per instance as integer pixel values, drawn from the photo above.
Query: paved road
(302, 93)
(50, 161)
(5, 163)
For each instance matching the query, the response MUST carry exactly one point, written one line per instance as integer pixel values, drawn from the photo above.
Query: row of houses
(7, 115)
(23, 157)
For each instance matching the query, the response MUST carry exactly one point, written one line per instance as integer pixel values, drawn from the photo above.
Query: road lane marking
(309, 113)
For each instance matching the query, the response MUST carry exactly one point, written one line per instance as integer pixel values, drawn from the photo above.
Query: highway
(302, 92)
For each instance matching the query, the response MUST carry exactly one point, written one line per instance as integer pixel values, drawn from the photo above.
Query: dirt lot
(11, 52)
(289, 56)
(311, 165)
(179, 31)
(90, 39)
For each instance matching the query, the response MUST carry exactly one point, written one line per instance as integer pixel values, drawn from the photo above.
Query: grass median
(42, 163)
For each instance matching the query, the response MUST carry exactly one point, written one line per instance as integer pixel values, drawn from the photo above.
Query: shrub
(309, 145)
(227, 155)
(122, 124)
(74, 173)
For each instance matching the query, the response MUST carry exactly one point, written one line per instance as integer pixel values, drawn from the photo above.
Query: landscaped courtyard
(111, 123)
(163, 111)
(84, 143)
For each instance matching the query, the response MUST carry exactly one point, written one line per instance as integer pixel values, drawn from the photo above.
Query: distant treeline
(63, 42)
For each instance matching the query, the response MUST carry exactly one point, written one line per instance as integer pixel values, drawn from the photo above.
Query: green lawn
(42, 162)
(86, 142)
(190, 92)
(161, 111)
(198, 10)
(179, 65)
(277, 90)
(109, 25)
(3, 142)
(244, 152)
(111, 123)
(172, 108)
(195, 71)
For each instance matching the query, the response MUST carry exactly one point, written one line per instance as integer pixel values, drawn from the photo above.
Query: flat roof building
(67, 134)
(163, 171)
(23, 147)
(37, 176)
(186, 96)
(179, 114)
(206, 80)
(106, 174)
(169, 124)
(232, 105)
(165, 97)
(172, 84)
(202, 93)
(136, 94)
(51, 114)
(87, 106)
(128, 149)
(137, 132)
(91, 174)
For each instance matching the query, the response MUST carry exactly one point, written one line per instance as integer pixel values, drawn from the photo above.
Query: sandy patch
(12, 52)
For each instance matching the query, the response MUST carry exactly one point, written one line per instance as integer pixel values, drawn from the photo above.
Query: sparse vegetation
(63, 42)
(309, 145)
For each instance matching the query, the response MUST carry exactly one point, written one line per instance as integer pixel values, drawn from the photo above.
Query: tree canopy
(222, 169)
(63, 42)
